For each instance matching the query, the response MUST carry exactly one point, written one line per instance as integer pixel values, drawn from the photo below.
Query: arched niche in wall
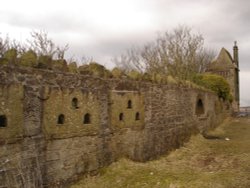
(137, 116)
(121, 117)
(74, 103)
(61, 119)
(199, 109)
(129, 106)
(3, 121)
(87, 119)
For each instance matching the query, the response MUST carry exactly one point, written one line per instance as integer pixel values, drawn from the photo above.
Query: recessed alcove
(61, 119)
(87, 119)
(3, 121)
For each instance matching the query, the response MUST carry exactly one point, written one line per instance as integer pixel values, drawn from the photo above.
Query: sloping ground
(201, 163)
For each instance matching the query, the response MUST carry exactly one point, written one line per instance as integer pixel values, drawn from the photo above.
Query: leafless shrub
(178, 53)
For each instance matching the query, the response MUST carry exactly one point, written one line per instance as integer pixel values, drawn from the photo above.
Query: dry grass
(200, 163)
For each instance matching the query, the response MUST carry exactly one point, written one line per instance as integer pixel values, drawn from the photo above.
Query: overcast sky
(103, 29)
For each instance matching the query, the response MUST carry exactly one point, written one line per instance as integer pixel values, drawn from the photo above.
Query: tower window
(137, 116)
(129, 104)
(61, 119)
(121, 116)
(74, 103)
(87, 119)
(3, 121)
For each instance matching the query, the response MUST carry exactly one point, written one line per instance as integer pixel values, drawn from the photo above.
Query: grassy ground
(201, 163)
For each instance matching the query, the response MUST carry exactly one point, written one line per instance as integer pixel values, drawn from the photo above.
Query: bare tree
(7, 44)
(179, 53)
(19, 47)
(130, 60)
(60, 51)
(44, 46)
(86, 60)
(41, 44)
(4, 45)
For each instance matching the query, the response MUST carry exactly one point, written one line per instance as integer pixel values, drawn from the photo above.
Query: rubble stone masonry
(55, 126)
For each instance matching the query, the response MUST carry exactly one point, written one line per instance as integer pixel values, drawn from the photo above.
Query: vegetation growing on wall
(179, 53)
(36, 52)
(117, 73)
(215, 83)
(28, 59)
(94, 69)
(174, 58)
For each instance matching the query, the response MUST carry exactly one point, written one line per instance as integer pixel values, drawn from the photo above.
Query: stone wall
(61, 125)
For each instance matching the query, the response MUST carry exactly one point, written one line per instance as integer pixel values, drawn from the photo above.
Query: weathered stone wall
(58, 103)
(137, 120)
(21, 147)
(170, 119)
(11, 105)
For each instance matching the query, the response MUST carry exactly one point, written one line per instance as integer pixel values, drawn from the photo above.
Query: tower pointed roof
(224, 61)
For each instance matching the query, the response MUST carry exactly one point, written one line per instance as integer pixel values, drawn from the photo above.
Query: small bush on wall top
(134, 75)
(11, 55)
(28, 59)
(3, 61)
(72, 66)
(44, 62)
(215, 83)
(60, 65)
(117, 73)
(94, 69)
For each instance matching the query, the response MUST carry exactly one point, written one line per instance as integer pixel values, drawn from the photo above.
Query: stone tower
(237, 85)
(228, 67)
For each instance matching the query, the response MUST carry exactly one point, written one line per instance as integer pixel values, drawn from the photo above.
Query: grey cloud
(109, 46)
(224, 22)
(53, 22)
